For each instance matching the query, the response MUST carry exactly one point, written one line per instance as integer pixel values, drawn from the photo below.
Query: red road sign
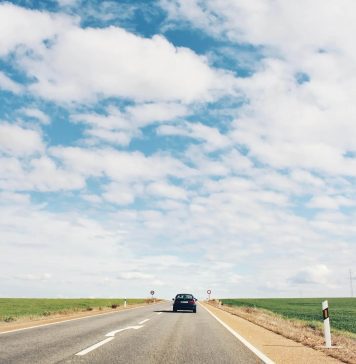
(208, 291)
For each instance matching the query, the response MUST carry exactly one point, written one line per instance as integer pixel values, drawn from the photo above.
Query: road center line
(93, 347)
(142, 322)
(113, 333)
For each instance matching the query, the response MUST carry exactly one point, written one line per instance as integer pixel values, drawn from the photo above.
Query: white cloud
(37, 114)
(144, 114)
(119, 127)
(120, 166)
(163, 189)
(70, 63)
(8, 84)
(37, 174)
(317, 274)
(109, 136)
(34, 277)
(122, 194)
(330, 202)
(212, 137)
(135, 275)
(15, 140)
(28, 28)
(285, 123)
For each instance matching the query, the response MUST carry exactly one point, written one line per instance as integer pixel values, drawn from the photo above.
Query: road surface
(150, 334)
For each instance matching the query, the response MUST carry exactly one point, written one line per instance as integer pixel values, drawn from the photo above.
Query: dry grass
(308, 334)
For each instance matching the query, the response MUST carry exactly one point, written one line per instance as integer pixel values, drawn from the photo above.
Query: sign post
(152, 293)
(208, 292)
(326, 318)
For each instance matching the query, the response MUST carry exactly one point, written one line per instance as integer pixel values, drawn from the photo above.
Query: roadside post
(208, 292)
(152, 293)
(125, 302)
(326, 318)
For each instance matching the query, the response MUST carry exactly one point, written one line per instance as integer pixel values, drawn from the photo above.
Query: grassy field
(342, 310)
(14, 308)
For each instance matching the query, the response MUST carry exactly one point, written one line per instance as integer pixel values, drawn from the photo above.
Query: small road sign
(152, 293)
(208, 292)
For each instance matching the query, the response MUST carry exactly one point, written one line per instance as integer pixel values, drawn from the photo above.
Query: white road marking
(93, 347)
(262, 356)
(75, 319)
(159, 313)
(113, 333)
(143, 321)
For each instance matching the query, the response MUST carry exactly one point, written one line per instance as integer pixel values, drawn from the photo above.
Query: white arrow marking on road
(93, 347)
(142, 322)
(112, 333)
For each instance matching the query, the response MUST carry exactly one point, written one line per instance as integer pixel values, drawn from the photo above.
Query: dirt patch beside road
(278, 348)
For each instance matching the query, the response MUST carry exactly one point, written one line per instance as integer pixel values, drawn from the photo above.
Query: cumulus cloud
(16, 140)
(164, 189)
(289, 121)
(8, 84)
(20, 27)
(36, 114)
(120, 126)
(37, 174)
(120, 166)
(213, 139)
(79, 64)
(317, 274)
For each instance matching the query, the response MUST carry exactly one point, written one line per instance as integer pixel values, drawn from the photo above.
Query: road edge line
(75, 319)
(257, 352)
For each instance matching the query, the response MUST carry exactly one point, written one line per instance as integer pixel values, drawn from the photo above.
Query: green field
(14, 308)
(342, 310)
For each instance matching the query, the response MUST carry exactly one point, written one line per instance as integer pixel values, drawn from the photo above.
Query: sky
(177, 145)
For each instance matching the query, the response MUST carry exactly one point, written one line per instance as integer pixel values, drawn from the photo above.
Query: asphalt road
(151, 334)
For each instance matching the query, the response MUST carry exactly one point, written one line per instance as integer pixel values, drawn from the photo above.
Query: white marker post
(125, 303)
(327, 333)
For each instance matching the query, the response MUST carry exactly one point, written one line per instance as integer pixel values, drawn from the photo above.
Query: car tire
(195, 310)
(174, 310)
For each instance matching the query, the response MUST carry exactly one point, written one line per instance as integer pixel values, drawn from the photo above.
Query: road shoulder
(276, 347)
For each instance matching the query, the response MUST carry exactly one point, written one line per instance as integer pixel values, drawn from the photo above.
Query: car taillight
(191, 302)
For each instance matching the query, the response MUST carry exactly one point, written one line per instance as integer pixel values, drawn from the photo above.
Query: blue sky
(177, 145)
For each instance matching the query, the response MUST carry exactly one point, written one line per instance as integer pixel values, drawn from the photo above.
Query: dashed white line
(112, 333)
(93, 347)
(159, 313)
(143, 321)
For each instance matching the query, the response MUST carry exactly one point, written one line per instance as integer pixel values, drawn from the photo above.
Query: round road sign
(208, 291)
(152, 293)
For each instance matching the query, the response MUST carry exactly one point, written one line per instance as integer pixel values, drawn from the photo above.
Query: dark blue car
(184, 301)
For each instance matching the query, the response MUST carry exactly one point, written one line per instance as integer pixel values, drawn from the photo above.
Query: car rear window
(184, 297)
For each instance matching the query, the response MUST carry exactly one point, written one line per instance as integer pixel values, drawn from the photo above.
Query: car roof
(181, 294)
